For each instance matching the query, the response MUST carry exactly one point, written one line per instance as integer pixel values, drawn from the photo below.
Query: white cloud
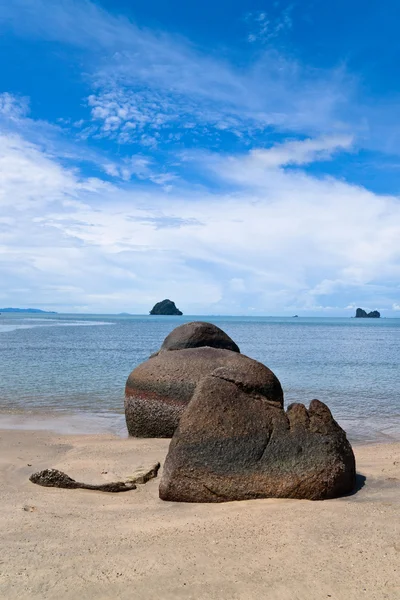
(12, 107)
(31, 178)
(302, 152)
(254, 167)
(141, 167)
(269, 238)
(281, 241)
(150, 83)
(266, 26)
(199, 96)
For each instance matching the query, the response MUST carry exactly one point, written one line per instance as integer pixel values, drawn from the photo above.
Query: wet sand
(87, 544)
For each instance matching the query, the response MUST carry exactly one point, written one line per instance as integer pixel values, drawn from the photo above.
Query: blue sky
(237, 157)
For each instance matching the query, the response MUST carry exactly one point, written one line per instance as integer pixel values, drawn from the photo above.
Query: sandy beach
(77, 543)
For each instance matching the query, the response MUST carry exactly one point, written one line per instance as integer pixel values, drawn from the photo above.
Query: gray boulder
(158, 390)
(235, 442)
(197, 334)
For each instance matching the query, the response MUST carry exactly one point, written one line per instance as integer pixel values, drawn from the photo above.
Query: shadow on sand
(360, 483)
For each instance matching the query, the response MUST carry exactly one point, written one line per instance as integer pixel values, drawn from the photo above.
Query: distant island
(165, 307)
(27, 310)
(362, 314)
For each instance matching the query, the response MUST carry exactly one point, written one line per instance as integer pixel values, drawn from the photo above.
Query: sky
(237, 157)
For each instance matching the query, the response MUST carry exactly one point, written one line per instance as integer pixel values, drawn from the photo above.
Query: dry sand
(82, 544)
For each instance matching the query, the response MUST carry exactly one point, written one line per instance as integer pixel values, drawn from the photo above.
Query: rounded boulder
(158, 391)
(197, 334)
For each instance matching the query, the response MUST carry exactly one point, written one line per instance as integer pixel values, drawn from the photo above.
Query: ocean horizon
(67, 372)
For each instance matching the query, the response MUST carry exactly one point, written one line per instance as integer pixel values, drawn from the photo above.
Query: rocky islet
(167, 308)
(362, 314)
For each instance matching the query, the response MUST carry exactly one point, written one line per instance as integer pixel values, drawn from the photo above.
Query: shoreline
(134, 545)
(65, 423)
(359, 432)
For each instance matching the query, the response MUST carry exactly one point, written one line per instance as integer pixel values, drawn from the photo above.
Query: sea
(67, 372)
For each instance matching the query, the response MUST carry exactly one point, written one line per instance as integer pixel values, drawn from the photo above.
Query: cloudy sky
(238, 157)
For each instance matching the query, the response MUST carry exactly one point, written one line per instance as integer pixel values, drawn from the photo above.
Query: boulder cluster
(231, 437)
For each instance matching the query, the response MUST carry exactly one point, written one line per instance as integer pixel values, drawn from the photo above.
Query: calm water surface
(68, 372)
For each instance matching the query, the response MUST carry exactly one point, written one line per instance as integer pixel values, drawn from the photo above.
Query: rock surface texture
(235, 442)
(158, 391)
(165, 307)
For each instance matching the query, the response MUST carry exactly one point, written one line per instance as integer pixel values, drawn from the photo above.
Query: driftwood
(55, 478)
(143, 475)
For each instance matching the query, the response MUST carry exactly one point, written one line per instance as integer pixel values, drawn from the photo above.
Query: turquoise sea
(68, 372)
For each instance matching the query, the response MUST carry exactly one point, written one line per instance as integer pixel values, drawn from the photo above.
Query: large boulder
(197, 334)
(234, 442)
(158, 390)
